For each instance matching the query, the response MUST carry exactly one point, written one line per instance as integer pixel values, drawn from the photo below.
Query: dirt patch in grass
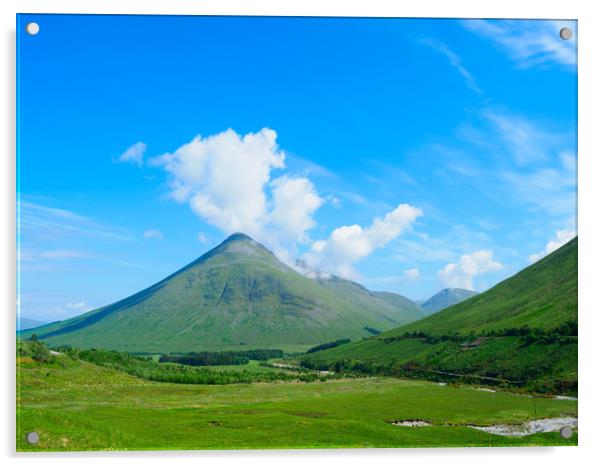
(411, 423)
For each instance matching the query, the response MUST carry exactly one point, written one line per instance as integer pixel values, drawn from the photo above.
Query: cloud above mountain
(228, 181)
(349, 244)
(238, 183)
(461, 274)
(562, 237)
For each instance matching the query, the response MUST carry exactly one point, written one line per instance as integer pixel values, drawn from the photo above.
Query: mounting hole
(33, 437)
(32, 28)
(566, 432)
(566, 33)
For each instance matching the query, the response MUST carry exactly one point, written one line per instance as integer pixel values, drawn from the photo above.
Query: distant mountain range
(25, 323)
(445, 298)
(523, 331)
(236, 295)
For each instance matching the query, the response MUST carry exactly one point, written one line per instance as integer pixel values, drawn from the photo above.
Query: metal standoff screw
(33, 437)
(32, 28)
(566, 432)
(566, 33)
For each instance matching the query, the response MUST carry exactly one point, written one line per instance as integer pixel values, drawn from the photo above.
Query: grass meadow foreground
(76, 405)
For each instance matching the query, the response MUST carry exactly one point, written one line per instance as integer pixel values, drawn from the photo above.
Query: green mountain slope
(520, 332)
(544, 295)
(355, 295)
(238, 294)
(445, 298)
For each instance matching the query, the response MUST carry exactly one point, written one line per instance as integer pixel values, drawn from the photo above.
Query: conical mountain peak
(239, 236)
(238, 293)
(243, 244)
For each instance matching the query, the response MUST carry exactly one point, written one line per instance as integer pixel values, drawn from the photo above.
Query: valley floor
(81, 406)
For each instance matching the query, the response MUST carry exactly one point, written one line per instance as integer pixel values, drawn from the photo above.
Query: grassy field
(252, 366)
(75, 405)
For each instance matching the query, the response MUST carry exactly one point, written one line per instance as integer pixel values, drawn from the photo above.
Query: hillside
(445, 298)
(544, 295)
(522, 332)
(238, 294)
(355, 295)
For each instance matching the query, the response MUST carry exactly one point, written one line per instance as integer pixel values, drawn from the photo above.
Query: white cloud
(202, 237)
(530, 43)
(65, 311)
(68, 310)
(349, 244)
(461, 274)
(43, 222)
(333, 200)
(134, 154)
(79, 305)
(411, 274)
(52, 254)
(515, 159)
(454, 61)
(551, 189)
(227, 179)
(526, 141)
(223, 177)
(562, 237)
(153, 234)
(294, 202)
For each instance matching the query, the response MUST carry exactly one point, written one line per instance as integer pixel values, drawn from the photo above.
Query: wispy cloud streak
(454, 61)
(529, 43)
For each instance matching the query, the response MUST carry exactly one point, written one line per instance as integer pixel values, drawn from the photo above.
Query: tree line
(222, 358)
(563, 334)
(332, 344)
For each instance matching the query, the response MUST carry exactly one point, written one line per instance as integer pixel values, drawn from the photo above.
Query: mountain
(522, 332)
(445, 298)
(25, 323)
(543, 295)
(355, 295)
(237, 294)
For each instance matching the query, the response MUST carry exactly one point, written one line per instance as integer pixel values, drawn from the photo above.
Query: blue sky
(406, 154)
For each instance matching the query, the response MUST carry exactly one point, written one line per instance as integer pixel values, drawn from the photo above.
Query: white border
(590, 309)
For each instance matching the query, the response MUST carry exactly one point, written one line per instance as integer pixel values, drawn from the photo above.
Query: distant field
(82, 406)
(252, 366)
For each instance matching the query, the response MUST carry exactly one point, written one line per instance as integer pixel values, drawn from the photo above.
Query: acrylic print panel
(253, 232)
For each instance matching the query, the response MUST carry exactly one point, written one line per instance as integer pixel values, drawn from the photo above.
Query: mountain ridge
(238, 293)
(445, 298)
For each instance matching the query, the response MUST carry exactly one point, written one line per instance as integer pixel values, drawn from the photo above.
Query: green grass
(75, 405)
(149, 369)
(252, 366)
